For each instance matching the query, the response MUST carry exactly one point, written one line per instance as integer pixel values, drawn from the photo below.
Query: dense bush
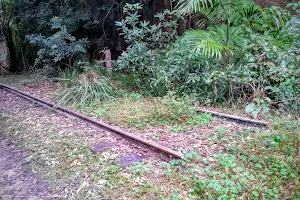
(263, 70)
(60, 49)
(141, 58)
(268, 71)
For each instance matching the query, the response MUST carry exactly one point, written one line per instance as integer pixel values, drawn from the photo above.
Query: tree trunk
(11, 48)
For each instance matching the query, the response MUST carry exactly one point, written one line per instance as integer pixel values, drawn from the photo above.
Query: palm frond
(207, 42)
(254, 14)
(250, 13)
(185, 7)
(274, 15)
(210, 17)
(212, 11)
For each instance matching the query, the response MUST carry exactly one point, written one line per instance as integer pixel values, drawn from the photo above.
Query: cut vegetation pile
(84, 88)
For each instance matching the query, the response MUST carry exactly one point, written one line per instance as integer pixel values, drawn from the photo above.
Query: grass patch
(134, 110)
(21, 79)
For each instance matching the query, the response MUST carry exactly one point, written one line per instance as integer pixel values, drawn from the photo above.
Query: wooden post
(108, 62)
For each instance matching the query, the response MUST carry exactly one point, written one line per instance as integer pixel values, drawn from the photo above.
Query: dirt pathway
(16, 181)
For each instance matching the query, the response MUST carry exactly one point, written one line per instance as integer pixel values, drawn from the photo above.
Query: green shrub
(189, 72)
(269, 71)
(60, 49)
(261, 68)
(264, 63)
(86, 89)
(140, 58)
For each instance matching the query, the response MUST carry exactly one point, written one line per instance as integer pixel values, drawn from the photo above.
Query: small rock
(101, 147)
(129, 160)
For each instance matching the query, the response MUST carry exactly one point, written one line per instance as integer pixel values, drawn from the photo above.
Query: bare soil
(16, 181)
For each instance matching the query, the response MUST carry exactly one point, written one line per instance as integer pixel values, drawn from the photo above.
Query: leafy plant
(68, 77)
(154, 36)
(295, 6)
(259, 106)
(189, 72)
(266, 161)
(140, 58)
(88, 88)
(268, 71)
(59, 49)
(231, 13)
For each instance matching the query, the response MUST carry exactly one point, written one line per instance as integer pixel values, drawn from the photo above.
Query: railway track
(129, 136)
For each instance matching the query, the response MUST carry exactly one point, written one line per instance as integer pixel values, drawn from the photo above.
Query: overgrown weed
(256, 164)
(134, 110)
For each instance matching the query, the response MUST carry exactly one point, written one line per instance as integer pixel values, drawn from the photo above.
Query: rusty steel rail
(233, 117)
(139, 140)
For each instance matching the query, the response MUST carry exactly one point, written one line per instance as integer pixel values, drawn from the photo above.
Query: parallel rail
(236, 118)
(137, 139)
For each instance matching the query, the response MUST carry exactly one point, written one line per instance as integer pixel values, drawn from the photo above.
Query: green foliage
(59, 49)
(68, 77)
(188, 72)
(23, 17)
(140, 58)
(259, 106)
(294, 6)
(134, 110)
(257, 67)
(10, 33)
(217, 43)
(208, 42)
(267, 70)
(262, 65)
(262, 166)
(154, 36)
(86, 89)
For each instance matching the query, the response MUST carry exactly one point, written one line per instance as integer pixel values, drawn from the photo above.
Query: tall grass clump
(86, 88)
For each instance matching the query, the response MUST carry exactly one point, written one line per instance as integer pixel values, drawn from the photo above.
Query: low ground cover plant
(134, 110)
